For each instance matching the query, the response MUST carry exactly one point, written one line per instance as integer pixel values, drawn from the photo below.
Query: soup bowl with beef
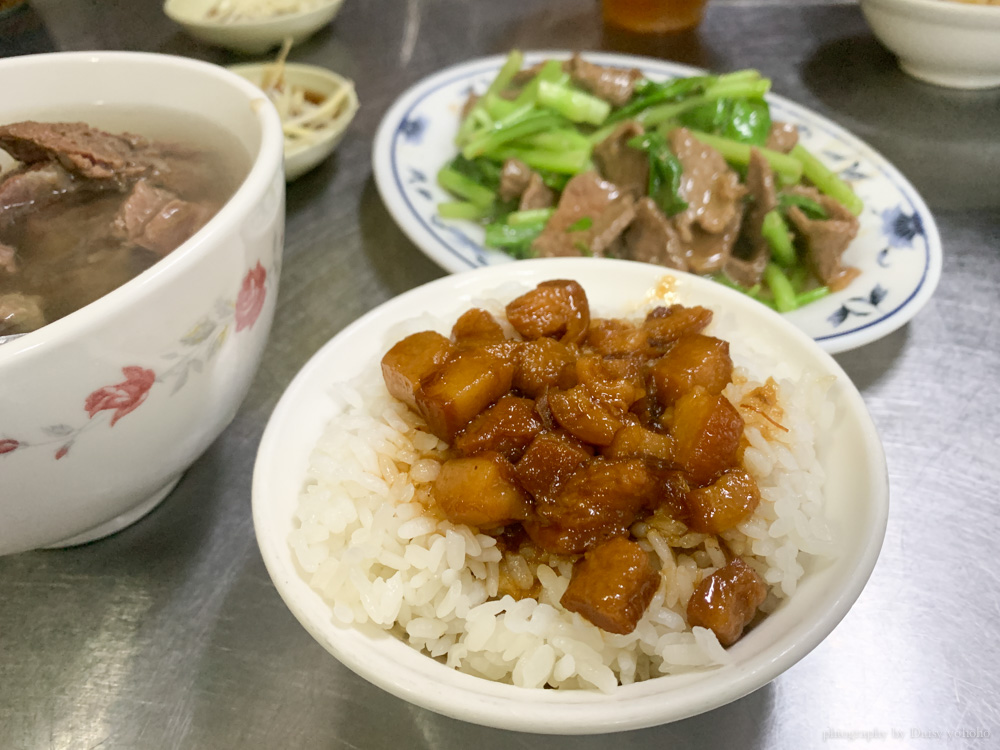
(141, 229)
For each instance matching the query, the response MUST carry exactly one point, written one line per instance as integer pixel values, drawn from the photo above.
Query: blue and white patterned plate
(897, 249)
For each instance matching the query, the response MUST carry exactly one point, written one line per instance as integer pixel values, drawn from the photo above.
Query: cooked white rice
(368, 544)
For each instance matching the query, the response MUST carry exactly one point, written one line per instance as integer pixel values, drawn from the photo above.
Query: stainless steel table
(170, 634)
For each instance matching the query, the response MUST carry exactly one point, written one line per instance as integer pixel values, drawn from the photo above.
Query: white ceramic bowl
(944, 42)
(251, 37)
(333, 90)
(857, 496)
(104, 409)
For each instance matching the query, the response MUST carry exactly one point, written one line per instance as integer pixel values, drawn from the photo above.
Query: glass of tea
(652, 16)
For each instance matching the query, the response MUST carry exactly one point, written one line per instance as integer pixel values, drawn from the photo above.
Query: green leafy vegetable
(808, 206)
(580, 225)
(664, 172)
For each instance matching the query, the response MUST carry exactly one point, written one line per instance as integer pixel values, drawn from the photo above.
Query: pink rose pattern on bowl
(198, 346)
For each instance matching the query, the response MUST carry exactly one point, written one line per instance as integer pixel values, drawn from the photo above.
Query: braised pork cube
(706, 429)
(550, 460)
(635, 441)
(722, 504)
(593, 412)
(726, 601)
(615, 338)
(665, 325)
(670, 491)
(410, 361)
(462, 387)
(507, 428)
(612, 585)
(593, 368)
(598, 502)
(543, 363)
(480, 491)
(477, 327)
(692, 360)
(557, 309)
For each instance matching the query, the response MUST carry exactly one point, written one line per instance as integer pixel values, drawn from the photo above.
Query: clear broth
(65, 255)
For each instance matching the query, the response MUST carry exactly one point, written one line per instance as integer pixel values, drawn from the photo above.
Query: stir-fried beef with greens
(568, 158)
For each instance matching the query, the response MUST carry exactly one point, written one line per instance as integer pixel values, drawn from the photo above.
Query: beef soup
(84, 210)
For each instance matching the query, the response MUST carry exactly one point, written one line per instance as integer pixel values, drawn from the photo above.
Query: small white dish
(252, 37)
(943, 42)
(331, 92)
(856, 493)
(898, 249)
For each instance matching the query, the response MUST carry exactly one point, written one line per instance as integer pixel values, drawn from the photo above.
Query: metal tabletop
(170, 634)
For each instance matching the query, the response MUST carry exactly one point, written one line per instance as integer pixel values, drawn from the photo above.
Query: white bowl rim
(505, 706)
(264, 164)
(957, 15)
(246, 23)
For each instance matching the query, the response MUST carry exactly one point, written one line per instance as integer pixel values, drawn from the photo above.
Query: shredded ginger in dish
(306, 115)
(229, 11)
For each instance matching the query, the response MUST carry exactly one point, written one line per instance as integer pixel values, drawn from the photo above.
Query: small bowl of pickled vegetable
(251, 26)
(316, 106)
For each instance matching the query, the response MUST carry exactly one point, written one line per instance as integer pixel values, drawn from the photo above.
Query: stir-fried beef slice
(651, 238)
(589, 198)
(613, 85)
(514, 178)
(34, 186)
(760, 182)
(612, 585)
(20, 313)
(707, 252)
(158, 220)
(726, 601)
(826, 240)
(782, 137)
(618, 162)
(81, 149)
(712, 190)
(8, 259)
(537, 194)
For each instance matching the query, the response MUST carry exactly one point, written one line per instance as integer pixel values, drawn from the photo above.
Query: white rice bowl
(343, 530)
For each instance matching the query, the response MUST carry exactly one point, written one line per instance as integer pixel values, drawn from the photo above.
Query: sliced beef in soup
(86, 210)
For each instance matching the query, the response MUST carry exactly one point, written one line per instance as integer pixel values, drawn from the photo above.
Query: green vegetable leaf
(580, 225)
(664, 172)
(480, 170)
(809, 207)
(742, 120)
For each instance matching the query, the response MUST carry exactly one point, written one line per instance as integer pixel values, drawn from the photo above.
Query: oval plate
(898, 249)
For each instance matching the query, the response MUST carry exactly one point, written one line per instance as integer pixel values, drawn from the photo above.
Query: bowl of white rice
(410, 601)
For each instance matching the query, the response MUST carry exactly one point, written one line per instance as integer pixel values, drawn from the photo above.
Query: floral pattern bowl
(103, 410)
(898, 249)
